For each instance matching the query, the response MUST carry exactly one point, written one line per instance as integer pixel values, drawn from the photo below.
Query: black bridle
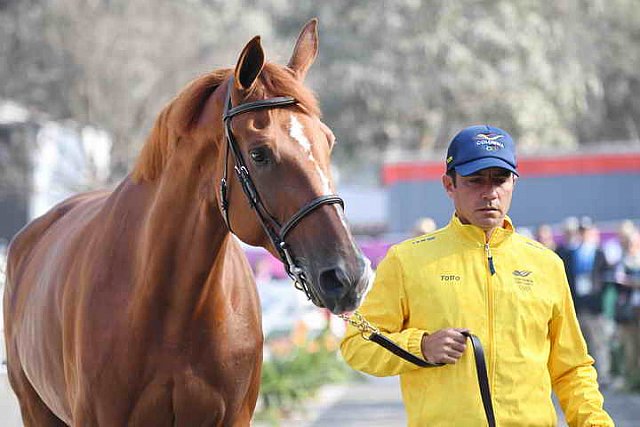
(277, 233)
(272, 227)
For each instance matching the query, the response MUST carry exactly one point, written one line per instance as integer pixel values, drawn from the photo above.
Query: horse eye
(259, 156)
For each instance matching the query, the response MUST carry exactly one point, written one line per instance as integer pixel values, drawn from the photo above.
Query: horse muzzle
(341, 289)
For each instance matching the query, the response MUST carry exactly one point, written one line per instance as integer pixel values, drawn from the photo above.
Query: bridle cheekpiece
(275, 231)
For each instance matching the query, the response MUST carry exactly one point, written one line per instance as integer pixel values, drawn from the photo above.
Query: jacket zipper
(490, 353)
(487, 249)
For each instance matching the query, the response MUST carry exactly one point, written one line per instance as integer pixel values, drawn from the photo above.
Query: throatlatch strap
(481, 367)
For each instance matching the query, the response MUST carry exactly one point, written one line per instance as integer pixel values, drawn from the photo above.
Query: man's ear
(447, 183)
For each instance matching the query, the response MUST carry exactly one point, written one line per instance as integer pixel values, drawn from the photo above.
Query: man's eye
(259, 156)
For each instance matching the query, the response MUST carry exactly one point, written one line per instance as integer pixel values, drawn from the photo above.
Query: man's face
(483, 198)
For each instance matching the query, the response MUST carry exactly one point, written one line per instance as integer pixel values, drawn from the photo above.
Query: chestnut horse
(138, 306)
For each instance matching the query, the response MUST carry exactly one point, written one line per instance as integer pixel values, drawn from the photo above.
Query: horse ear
(250, 64)
(306, 49)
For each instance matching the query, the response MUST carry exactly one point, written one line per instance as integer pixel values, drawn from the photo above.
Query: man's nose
(490, 192)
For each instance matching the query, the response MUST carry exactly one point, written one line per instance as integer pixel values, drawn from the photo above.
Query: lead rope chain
(358, 321)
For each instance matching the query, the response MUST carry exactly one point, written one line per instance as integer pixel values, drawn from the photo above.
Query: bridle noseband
(272, 227)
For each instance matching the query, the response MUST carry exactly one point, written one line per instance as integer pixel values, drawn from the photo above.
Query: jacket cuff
(414, 344)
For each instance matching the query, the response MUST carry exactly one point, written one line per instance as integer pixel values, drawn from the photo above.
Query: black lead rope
(481, 367)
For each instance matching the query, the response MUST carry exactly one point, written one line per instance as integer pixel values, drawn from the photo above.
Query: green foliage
(288, 380)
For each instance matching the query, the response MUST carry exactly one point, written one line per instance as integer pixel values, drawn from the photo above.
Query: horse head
(275, 187)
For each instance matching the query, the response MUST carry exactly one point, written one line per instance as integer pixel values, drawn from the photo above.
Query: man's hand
(444, 346)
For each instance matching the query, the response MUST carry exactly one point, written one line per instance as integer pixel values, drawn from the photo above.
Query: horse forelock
(280, 81)
(180, 116)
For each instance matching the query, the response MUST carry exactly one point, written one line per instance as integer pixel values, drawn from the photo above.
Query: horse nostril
(333, 281)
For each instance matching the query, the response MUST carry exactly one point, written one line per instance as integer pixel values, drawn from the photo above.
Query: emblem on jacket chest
(523, 278)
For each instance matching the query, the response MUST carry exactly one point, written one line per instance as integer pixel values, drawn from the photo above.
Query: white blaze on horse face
(296, 131)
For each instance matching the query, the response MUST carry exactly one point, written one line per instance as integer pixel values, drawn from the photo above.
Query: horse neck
(182, 242)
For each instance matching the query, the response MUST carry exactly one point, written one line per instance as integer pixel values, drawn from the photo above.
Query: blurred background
(83, 80)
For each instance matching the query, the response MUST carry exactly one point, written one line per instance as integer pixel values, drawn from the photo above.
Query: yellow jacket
(523, 314)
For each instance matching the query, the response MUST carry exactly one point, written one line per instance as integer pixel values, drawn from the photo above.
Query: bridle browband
(272, 227)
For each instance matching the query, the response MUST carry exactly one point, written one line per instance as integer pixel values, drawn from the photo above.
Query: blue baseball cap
(481, 147)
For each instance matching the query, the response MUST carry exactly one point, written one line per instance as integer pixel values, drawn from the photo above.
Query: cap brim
(484, 163)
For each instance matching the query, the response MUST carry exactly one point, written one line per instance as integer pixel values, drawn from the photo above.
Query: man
(627, 278)
(478, 275)
(544, 235)
(567, 248)
(589, 266)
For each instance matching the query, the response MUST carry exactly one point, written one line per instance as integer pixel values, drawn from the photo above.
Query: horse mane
(179, 117)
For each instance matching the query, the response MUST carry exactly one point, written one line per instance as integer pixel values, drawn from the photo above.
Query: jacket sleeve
(571, 368)
(385, 306)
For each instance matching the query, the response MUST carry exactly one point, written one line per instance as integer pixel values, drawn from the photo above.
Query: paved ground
(623, 408)
(376, 403)
(372, 403)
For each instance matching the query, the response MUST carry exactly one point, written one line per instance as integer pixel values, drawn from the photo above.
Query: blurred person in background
(477, 274)
(614, 248)
(589, 269)
(615, 296)
(424, 225)
(544, 235)
(568, 245)
(526, 232)
(628, 304)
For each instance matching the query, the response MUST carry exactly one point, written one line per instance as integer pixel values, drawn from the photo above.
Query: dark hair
(452, 174)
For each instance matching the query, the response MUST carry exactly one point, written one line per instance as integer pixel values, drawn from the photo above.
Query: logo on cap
(489, 141)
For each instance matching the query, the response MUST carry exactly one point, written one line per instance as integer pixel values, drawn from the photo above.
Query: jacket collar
(475, 235)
